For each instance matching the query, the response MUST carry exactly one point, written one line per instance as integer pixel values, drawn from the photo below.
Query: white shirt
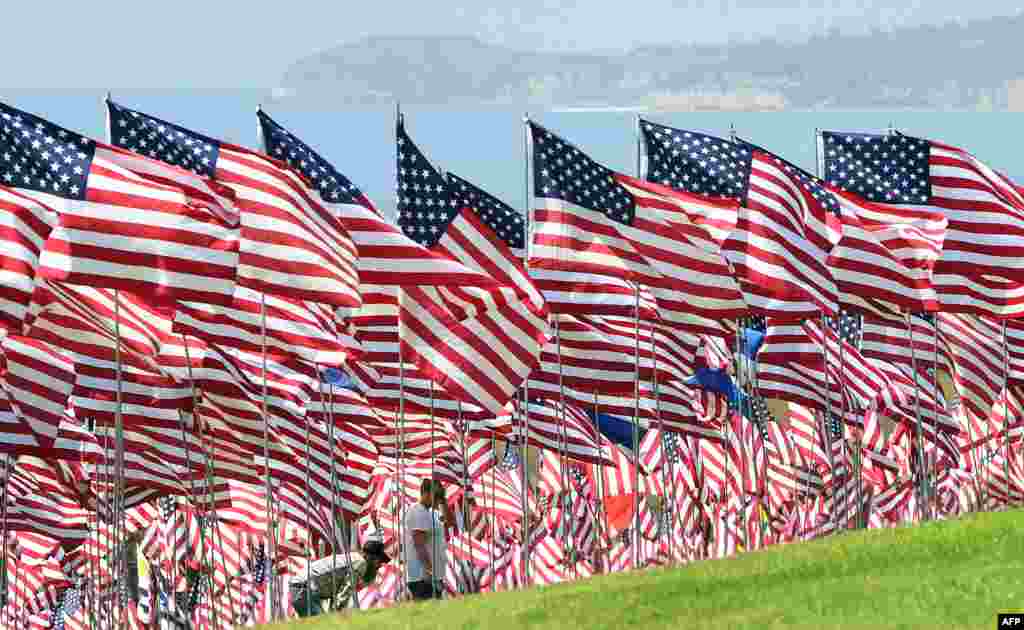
(423, 519)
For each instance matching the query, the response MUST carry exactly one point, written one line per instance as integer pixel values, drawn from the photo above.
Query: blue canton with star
(282, 145)
(163, 141)
(425, 205)
(38, 155)
(696, 163)
(881, 168)
(496, 214)
(847, 326)
(70, 604)
(561, 171)
(511, 460)
(670, 446)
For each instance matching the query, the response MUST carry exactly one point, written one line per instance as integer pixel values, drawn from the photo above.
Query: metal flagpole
(526, 383)
(819, 168)
(491, 517)
(842, 418)
(400, 463)
(309, 529)
(919, 438)
(335, 534)
(8, 464)
(119, 488)
(563, 446)
(827, 425)
(351, 527)
(636, 425)
(399, 468)
(741, 383)
(271, 525)
(665, 507)
(602, 515)
(1006, 416)
(465, 483)
(636, 381)
(103, 522)
(433, 539)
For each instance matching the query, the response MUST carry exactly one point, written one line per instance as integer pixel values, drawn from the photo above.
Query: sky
(235, 44)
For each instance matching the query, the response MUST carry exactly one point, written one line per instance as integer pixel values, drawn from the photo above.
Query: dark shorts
(299, 601)
(425, 590)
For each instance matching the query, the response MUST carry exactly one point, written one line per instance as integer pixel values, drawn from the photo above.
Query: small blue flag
(752, 340)
(617, 430)
(336, 376)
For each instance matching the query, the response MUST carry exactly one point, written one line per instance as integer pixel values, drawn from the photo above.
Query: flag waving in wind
(290, 244)
(118, 228)
(786, 225)
(479, 344)
(981, 266)
(590, 219)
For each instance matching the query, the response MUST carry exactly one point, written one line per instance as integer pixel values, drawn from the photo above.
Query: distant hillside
(954, 66)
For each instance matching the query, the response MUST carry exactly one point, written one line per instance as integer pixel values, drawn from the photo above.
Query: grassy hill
(954, 574)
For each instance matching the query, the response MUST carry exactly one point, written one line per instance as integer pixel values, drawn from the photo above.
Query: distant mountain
(954, 66)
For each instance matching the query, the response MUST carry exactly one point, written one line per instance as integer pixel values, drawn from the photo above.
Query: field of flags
(218, 362)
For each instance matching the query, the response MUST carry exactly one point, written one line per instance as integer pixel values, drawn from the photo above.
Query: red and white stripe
(135, 233)
(782, 240)
(25, 225)
(886, 255)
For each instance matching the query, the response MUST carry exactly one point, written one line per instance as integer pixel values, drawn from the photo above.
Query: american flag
(564, 428)
(69, 614)
(981, 207)
(290, 245)
(123, 223)
(401, 277)
(25, 224)
(386, 256)
(590, 219)
(787, 222)
(479, 345)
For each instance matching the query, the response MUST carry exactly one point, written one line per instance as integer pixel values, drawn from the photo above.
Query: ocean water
(486, 145)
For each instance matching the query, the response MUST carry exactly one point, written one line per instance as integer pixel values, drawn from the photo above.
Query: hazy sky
(229, 43)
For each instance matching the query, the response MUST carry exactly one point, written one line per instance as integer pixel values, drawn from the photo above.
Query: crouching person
(331, 579)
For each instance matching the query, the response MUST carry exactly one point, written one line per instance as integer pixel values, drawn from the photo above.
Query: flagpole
(8, 464)
(636, 382)
(842, 423)
(827, 424)
(119, 489)
(526, 383)
(1006, 416)
(819, 168)
(563, 446)
(636, 424)
(351, 527)
(919, 438)
(465, 482)
(741, 382)
(433, 538)
(400, 463)
(654, 367)
(193, 499)
(491, 517)
(602, 515)
(271, 525)
(309, 530)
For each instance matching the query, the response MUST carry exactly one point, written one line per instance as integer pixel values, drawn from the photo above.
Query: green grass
(954, 574)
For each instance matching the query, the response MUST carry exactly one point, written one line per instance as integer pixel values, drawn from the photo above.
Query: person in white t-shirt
(424, 543)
